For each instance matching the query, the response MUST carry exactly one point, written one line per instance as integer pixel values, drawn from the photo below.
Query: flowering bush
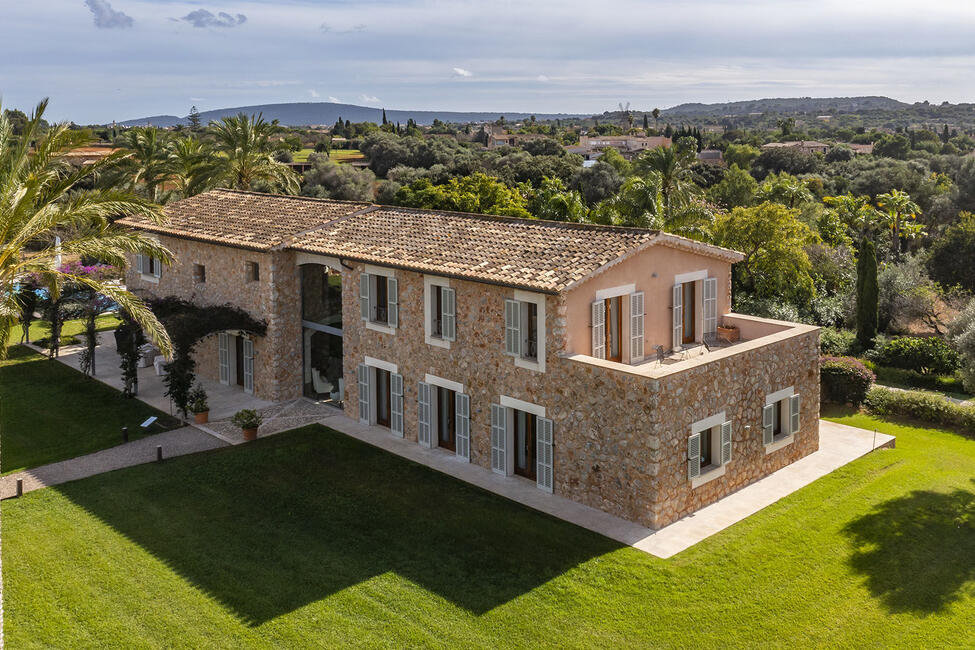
(844, 379)
(93, 271)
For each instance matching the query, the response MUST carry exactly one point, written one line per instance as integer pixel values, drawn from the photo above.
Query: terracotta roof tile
(533, 254)
(543, 255)
(247, 219)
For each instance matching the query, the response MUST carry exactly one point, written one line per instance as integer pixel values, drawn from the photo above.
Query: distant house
(512, 139)
(590, 147)
(806, 146)
(859, 149)
(711, 156)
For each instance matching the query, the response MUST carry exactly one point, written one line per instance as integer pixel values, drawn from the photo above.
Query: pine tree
(194, 119)
(867, 295)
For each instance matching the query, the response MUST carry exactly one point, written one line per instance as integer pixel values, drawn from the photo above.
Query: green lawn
(313, 539)
(50, 412)
(42, 329)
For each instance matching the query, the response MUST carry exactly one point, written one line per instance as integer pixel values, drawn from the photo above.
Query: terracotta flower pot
(250, 434)
(729, 334)
(201, 418)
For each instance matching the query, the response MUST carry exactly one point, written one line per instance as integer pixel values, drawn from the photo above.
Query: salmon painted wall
(652, 271)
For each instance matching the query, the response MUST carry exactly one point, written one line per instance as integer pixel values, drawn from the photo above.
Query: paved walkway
(178, 442)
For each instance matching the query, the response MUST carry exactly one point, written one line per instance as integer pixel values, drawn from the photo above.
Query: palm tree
(149, 164)
(195, 166)
(673, 167)
(43, 209)
(248, 162)
(901, 214)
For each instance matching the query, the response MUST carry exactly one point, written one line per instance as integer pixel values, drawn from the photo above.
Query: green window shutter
(678, 314)
(449, 314)
(156, 267)
(248, 348)
(140, 263)
(725, 442)
(499, 433)
(462, 405)
(223, 357)
(392, 311)
(543, 454)
(363, 377)
(424, 416)
(694, 456)
(364, 284)
(396, 404)
(512, 327)
(794, 414)
(768, 423)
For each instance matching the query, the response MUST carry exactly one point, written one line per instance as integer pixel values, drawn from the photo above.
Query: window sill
(438, 342)
(782, 441)
(378, 327)
(149, 278)
(530, 364)
(707, 477)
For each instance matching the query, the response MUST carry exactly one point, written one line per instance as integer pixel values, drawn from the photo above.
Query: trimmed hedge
(928, 407)
(844, 380)
(914, 379)
(926, 355)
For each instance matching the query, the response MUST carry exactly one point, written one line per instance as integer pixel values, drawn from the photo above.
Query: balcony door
(689, 302)
(614, 328)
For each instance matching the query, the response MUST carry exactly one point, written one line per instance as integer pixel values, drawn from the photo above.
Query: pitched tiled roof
(246, 219)
(545, 255)
(532, 254)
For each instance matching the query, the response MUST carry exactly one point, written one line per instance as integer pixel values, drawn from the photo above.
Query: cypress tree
(384, 118)
(868, 298)
(646, 123)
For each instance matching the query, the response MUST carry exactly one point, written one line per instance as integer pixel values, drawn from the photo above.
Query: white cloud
(313, 93)
(461, 72)
(541, 78)
(203, 18)
(106, 17)
(334, 99)
(369, 99)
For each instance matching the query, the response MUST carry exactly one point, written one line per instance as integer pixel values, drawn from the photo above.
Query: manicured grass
(314, 539)
(42, 329)
(50, 412)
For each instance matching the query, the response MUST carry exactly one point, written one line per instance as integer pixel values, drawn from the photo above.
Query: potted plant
(248, 420)
(198, 406)
(728, 333)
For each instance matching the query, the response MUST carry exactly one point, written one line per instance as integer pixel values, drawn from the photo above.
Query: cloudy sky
(101, 60)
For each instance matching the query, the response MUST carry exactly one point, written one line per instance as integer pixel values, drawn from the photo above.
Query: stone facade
(273, 298)
(620, 432)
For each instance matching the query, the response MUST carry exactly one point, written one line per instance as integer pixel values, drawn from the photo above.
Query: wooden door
(446, 419)
(690, 313)
(614, 329)
(382, 397)
(524, 439)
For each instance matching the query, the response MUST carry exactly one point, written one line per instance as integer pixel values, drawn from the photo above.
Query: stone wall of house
(609, 450)
(226, 282)
(738, 386)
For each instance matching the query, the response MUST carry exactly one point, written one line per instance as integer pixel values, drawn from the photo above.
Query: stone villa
(601, 364)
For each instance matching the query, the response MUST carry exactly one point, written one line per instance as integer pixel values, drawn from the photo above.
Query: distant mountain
(822, 105)
(305, 113)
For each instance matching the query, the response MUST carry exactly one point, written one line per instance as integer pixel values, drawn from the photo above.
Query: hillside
(826, 105)
(305, 113)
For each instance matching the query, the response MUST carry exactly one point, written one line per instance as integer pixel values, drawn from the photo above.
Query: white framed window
(440, 308)
(524, 329)
(780, 419)
(694, 304)
(380, 388)
(522, 442)
(444, 416)
(708, 449)
(379, 299)
(150, 268)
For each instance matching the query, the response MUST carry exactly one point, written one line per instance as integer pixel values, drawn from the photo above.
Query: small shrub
(837, 342)
(198, 400)
(247, 419)
(844, 379)
(919, 405)
(926, 355)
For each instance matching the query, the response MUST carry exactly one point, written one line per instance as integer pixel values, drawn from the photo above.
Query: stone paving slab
(178, 442)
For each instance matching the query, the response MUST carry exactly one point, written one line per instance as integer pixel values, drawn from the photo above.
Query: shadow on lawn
(274, 525)
(917, 551)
